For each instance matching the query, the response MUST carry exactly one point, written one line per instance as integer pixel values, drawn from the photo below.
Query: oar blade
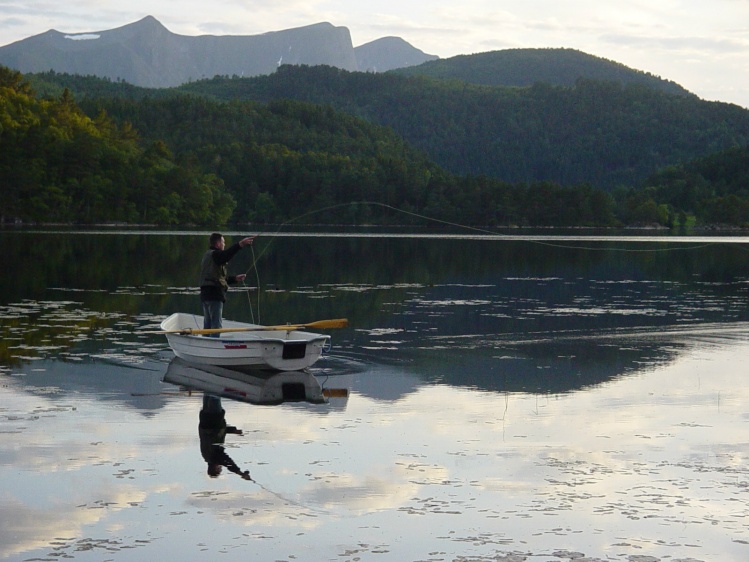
(318, 325)
(328, 324)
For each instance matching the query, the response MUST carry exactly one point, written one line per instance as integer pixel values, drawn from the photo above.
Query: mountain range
(146, 53)
(519, 116)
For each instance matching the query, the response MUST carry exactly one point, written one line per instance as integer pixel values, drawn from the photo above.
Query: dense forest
(239, 151)
(186, 159)
(603, 133)
(59, 165)
(715, 188)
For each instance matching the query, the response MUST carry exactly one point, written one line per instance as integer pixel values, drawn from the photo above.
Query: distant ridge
(146, 53)
(525, 67)
(388, 53)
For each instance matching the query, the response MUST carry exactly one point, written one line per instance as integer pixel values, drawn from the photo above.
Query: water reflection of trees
(553, 367)
(33, 330)
(107, 261)
(376, 282)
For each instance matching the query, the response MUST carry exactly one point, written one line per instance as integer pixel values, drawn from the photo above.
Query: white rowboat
(246, 345)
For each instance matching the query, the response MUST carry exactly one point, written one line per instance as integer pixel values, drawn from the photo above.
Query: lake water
(508, 398)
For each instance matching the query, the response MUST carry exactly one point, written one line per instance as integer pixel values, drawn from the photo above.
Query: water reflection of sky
(649, 465)
(518, 411)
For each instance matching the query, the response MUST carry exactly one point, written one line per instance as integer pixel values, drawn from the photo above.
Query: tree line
(186, 159)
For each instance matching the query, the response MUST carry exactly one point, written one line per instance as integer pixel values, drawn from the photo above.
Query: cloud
(12, 22)
(696, 45)
(386, 489)
(57, 526)
(25, 528)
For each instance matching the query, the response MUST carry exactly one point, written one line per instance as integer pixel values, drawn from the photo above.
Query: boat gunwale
(254, 338)
(250, 336)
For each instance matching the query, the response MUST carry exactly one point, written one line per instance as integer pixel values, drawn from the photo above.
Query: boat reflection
(244, 385)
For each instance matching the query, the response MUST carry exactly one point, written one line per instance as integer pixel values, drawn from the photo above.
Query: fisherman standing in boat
(214, 278)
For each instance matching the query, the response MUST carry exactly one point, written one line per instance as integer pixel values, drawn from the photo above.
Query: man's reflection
(212, 430)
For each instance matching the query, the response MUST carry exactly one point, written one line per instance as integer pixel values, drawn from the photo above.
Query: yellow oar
(318, 325)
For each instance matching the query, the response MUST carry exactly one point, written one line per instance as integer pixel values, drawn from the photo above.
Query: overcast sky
(701, 44)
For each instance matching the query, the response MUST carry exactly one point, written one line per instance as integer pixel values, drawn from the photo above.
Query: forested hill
(525, 67)
(602, 133)
(59, 165)
(169, 157)
(184, 159)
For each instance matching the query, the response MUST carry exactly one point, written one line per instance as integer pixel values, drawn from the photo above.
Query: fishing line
(540, 242)
(257, 277)
(255, 258)
(467, 227)
(287, 500)
(479, 230)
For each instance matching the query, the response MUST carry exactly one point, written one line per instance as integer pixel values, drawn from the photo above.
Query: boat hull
(281, 350)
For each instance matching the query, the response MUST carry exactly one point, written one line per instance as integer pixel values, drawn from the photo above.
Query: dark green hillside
(715, 189)
(51, 85)
(282, 159)
(187, 159)
(525, 67)
(600, 133)
(59, 165)
(274, 161)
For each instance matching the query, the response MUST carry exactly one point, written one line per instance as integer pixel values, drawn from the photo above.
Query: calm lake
(495, 398)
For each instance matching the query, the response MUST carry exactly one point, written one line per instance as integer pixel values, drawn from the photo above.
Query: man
(214, 278)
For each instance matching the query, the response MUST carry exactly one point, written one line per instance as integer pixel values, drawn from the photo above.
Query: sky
(702, 45)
